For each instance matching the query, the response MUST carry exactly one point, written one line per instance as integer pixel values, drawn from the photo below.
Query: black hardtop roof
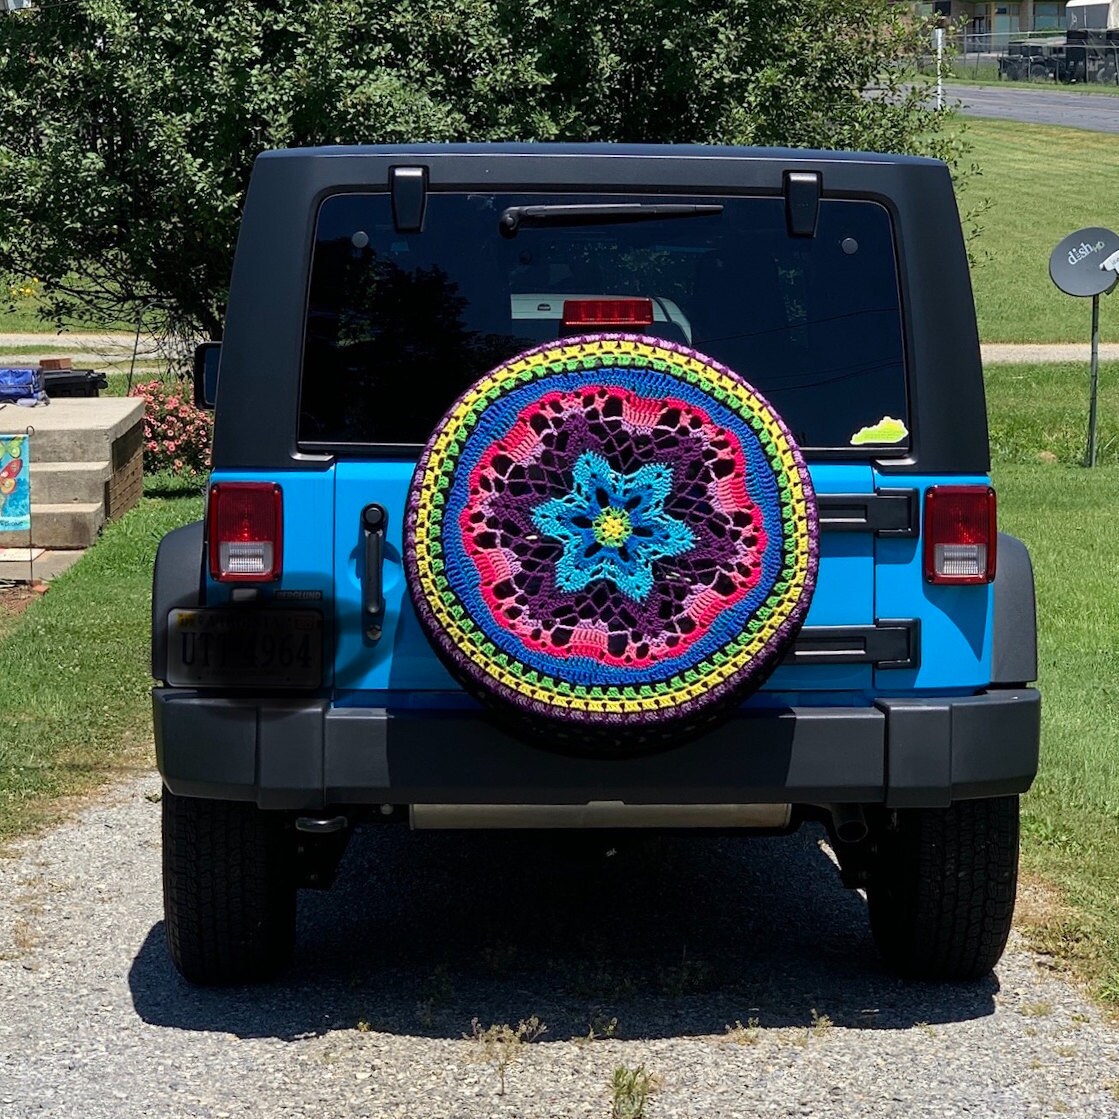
(668, 151)
(263, 342)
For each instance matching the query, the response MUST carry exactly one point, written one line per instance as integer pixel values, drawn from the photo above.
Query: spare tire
(611, 540)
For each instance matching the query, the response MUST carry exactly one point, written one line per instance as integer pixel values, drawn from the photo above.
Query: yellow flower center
(612, 527)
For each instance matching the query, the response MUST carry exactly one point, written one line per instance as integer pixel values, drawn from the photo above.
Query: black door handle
(374, 521)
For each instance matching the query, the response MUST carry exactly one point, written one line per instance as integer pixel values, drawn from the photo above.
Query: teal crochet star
(613, 526)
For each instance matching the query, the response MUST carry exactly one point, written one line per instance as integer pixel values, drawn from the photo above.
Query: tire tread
(228, 893)
(942, 896)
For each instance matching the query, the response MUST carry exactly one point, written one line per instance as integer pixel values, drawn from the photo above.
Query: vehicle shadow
(671, 935)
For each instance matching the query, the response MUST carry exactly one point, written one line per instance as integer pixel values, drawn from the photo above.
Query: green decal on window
(886, 430)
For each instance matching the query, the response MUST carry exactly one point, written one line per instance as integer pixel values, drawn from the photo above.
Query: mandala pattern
(611, 531)
(613, 526)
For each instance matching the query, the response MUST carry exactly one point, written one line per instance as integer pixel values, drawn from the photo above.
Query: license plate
(245, 648)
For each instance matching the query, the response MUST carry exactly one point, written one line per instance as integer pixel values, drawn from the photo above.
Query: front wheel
(228, 890)
(942, 888)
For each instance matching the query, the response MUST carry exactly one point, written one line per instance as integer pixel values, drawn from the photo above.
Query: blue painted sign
(15, 483)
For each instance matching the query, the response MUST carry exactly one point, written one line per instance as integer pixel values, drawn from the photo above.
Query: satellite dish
(1076, 264)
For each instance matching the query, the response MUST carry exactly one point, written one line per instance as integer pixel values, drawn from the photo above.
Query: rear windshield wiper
(516, 218)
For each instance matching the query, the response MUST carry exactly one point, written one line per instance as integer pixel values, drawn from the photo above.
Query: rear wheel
(611, 540)
(942, 886)
(1039, 73)
(228, 890)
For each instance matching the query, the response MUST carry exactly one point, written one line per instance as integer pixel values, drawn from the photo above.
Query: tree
(128, 128)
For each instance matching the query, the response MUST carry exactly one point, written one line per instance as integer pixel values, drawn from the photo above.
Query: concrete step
(44, 567)
(82, 429)
(85, 463)
(60, 483)
(73, 524)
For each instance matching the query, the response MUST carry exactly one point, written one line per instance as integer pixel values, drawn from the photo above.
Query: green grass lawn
(24, 319)
(76, 707)
(1071, 816)
(33, 351)
(1042, 183)
(1066, 515)
(1039, 412)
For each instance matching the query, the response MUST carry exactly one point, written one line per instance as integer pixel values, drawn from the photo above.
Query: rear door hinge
(884, 512)
(802, 202)
(408, 186)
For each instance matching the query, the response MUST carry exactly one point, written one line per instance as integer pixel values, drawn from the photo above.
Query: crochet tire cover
(611, 539)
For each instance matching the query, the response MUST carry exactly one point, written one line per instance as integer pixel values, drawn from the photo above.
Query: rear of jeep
(298, 694)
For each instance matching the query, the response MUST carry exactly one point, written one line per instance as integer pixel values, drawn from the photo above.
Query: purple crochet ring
(611, 537)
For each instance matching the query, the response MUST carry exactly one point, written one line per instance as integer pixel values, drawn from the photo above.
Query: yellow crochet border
(520, 371)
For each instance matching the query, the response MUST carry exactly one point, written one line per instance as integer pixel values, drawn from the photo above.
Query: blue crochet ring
(613, 526)
(611, 534)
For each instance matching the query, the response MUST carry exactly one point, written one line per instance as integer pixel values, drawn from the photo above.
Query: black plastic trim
(176, 585)
(515, 218)
(802, 202)
(1014, 658)
(374, 525)
(202, 399)
(962, 748)
(885, 512)
(310, 755)
(262, 343)
(409, 198)
(886, 644)
(306, 754)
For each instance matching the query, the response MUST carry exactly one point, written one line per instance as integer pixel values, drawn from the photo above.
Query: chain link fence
(1038, 57)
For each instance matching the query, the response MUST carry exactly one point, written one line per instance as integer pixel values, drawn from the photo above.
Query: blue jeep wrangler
(596, 487)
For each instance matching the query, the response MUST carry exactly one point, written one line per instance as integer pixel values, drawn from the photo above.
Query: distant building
(989, 23)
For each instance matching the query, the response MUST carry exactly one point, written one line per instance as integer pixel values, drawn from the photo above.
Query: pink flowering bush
(177, 434)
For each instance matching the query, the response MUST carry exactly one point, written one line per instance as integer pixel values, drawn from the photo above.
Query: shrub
(24, 289)
(177, 434)
(200, 88)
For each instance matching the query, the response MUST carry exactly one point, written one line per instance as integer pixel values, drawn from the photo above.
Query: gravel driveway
(675, 938)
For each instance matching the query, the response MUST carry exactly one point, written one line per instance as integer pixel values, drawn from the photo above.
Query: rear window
(399, 324)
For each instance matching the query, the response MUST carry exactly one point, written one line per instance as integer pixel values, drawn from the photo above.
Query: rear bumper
(306, 754)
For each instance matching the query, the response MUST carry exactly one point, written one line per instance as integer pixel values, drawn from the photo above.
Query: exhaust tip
(849, 823)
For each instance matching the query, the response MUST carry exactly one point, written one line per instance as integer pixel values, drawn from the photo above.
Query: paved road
(84, 349)
(100, 351)
(116, 349)
(673, 938)
(81, 340)
(1097, 112)
(1004, 353)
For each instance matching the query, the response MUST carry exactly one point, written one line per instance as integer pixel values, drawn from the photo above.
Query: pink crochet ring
(611, 537)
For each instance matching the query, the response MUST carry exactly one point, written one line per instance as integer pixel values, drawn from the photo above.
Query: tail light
(246, 528)
(607, 312)
(960, 534)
